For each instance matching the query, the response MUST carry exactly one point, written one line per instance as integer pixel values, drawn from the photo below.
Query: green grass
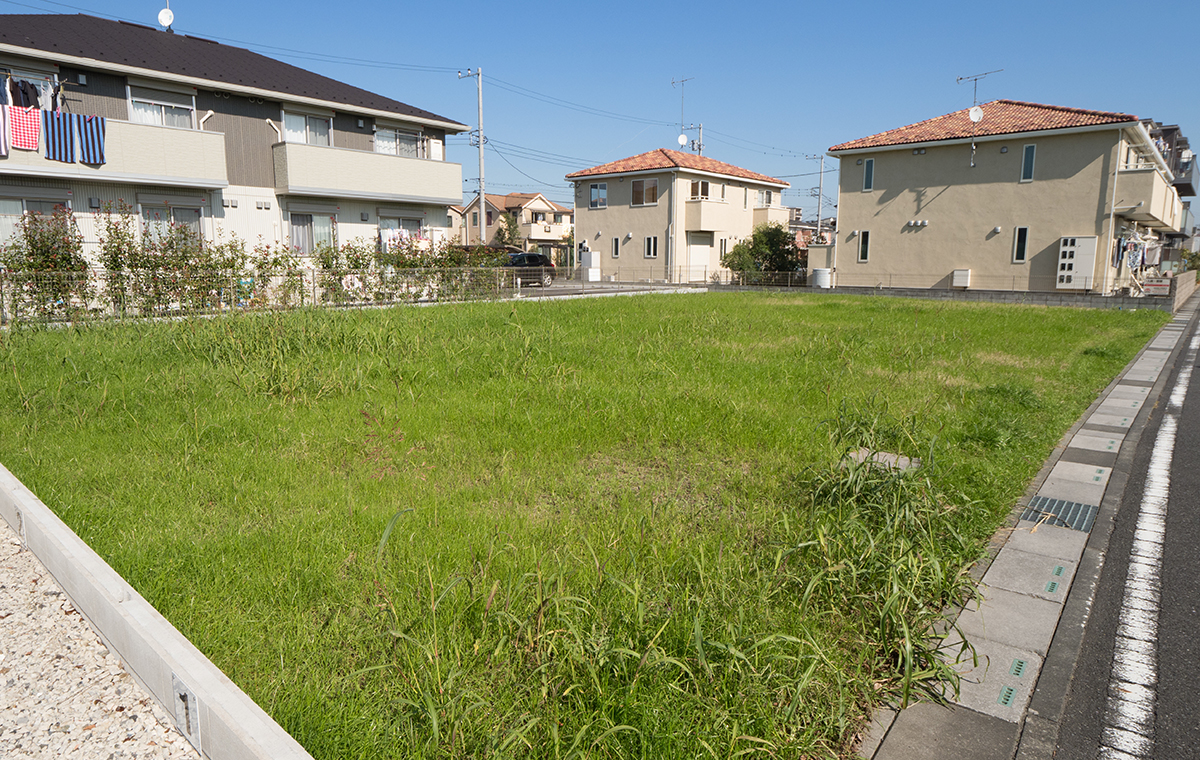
(604, 528)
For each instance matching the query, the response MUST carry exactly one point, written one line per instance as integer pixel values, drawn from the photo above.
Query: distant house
(1022, 197)
(542, 224)
(668, 215)
(216, 138)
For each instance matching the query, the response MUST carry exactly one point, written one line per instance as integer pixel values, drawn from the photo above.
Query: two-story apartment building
(542, 223)
(668, 215)
(1008, 195)
(215, 137)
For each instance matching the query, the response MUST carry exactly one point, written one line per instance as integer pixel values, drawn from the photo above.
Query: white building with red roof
(668, 215)
(1004, 196)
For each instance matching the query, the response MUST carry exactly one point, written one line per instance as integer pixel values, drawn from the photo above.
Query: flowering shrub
(48, 272)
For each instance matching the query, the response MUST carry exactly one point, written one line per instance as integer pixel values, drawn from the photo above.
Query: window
(299, 128)
(699, 189)
(161, 108)
(491, 218)
(1027, 163)
(868, 174)
(396, 142)
(652, 247)
(12, 209)
(159, 220)
(864, 245)
(765, 197)
(394, 231)
(558, 218)
(645, 192)
(310, 231)
(616, 248)
(724, 247)
(474, 218)
(745, 197)
(539, 217)
(722, 192)
(1020, 243)
(599, 195)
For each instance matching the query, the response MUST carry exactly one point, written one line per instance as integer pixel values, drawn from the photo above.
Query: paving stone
(1007, 617)
(1098, 417)
(1076, 482)
(1121, 407)
(1093, 442)
(1121, 390)
(998, 680)
(1047, 540)
(1032, 574)
(930, 732)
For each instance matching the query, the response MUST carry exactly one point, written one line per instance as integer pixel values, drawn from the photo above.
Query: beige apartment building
(218, 138)
(1005, 196)
(668, 215)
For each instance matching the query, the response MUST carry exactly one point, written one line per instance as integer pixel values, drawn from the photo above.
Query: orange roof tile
(673, 159)
(1000, 117)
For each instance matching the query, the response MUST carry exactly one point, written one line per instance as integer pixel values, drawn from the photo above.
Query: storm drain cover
(1065, 514)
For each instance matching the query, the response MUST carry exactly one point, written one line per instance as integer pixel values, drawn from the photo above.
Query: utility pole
(478, 74)
(820, 194)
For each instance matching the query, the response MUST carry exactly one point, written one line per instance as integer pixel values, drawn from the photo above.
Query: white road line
(1129, 711)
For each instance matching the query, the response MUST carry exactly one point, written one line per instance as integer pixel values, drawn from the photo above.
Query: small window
(558, 218)
(158, 220)
(723, 192)
(11, 211)
(724, 247)
(491, 218)
(699, 189)
(645, 192)
(395, 231)
(652, 247)
(299, 128)
(474, 218)
(616, 248)
(745, 197)
(1020, 243)
(599, 195)
(765, 198)
(161, 108)
(868, 174)
(1027, 163)
(864, 245)
(397, 142)
(310, 231)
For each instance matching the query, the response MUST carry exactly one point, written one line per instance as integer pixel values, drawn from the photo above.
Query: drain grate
(1052, 587)
(1018, 668)
(1065, 514)
(1006, 696)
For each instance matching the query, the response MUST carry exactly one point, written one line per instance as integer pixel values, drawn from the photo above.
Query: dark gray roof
(145, 47)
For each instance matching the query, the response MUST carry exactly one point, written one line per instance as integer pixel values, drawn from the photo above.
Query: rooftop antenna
(166, 17)
(976, 113)
(681, 82)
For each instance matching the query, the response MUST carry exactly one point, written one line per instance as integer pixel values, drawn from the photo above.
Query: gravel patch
(62, 693)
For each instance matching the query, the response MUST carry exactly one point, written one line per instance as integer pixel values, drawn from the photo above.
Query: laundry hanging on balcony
(24, 93)
(60, 136)
(25, 127)
(91, 139)
(3, 131)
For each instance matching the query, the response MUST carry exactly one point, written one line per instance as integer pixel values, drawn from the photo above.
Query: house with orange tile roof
(1007, 195)
(667, 215)
(543, 224)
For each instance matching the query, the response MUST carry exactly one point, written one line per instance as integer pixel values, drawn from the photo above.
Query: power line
(533, 94)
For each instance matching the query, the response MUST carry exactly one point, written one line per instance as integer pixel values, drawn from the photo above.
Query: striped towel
(60, 136)
(4, 131)
(91, 139)
(25, 127)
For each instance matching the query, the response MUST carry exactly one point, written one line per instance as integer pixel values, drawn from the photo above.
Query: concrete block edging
(217, 717)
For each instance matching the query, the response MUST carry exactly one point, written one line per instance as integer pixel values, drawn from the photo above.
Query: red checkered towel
(25, 127)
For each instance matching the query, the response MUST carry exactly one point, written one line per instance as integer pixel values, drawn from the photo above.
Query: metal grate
(1006, 696)
(1065, 514)
(1018, 668)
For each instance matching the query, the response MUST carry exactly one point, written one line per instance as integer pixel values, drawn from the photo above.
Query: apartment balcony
(703, 215)
(544, 231)
(1185, 178)
(316, 170)
(1145, 196)
(775, 214)
(142, 154)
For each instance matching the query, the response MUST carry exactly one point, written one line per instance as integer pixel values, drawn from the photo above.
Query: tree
(509, 232)
(771, 248)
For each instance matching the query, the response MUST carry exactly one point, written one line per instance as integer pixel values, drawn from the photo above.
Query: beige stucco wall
(1070, 195)
(318, 170)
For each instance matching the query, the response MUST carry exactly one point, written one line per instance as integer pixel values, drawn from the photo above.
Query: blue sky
(567, 86)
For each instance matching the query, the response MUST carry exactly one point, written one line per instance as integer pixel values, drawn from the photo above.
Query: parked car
(534, 268)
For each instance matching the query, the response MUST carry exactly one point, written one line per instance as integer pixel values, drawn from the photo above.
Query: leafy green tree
(509, 232)
(771, 248)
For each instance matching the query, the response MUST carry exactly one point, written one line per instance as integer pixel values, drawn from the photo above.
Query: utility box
(961, 278)
(1076, 262)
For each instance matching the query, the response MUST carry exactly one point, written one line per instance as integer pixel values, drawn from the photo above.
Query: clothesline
(22, 128)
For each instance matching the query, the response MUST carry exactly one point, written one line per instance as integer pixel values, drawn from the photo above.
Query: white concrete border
(216, 716)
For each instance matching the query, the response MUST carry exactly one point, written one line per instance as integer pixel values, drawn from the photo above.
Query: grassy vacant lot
(614, 528)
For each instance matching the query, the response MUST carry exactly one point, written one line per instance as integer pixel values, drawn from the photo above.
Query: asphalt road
(1174, 729)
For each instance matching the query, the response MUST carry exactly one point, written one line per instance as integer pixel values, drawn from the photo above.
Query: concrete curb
(214, 714)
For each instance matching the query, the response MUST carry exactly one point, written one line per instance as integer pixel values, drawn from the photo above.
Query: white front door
(699, 257)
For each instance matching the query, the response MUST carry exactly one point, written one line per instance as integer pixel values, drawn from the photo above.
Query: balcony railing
(544, 230)
(1145, 196)
(317, 170)
(139, 154)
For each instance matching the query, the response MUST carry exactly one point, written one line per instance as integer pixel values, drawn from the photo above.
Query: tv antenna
(975, 113)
